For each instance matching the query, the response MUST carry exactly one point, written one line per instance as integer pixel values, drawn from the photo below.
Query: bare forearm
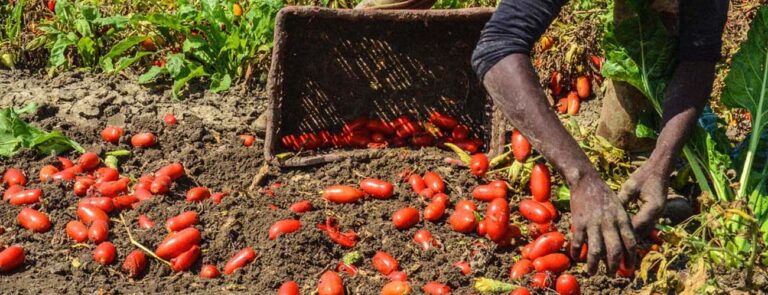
(685, 98)
(515, 89)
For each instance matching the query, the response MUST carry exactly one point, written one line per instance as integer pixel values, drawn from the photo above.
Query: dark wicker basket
(329, 66)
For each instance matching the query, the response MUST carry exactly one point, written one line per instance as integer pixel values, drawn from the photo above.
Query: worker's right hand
(599, 219)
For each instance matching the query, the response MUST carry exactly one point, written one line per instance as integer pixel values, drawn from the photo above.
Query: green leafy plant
(10, 43)
(16, 134)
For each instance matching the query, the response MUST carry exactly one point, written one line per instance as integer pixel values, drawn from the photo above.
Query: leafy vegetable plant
(16, 134)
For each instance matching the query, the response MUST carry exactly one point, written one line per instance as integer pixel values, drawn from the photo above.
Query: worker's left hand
(650, 186)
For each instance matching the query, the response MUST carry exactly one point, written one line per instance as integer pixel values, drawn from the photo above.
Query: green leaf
(83, 27)
(182, 81)
(220, 82)
(15, 134)
(86, 48)
(119, 153)
(642, 130)
(58, 51)
(13, 23)
(118, 21)
(125, 62)
(746, 86)
(150, 75)
(111, 162)
(125, 44)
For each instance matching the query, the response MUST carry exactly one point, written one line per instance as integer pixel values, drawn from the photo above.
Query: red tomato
(434, 182)
(562, 105)
(567, 285)
(144, 182)
(497, 219)
(247, 139)
(554, 83)
(103, 203)
(217, 197)
(245, 256)
(198, 194)
(436, 288)
(356, 124)
(284, 226)
(405, 218)
(342, 194)
(68, 174)
(464, 267)
(52, 6)
(65, 163)
(11, 258)
(482, 228)
(423, 139)
(470, 145)
(77, 231)
(173, 171)
(655, 236)
(289, 288)
(541, 280)
(573, 103)
(98, 231)
(417, 183)
(396, 288)
(47, 172)
(440, 198)
(125, 202)
(537, 229)
(534, 211)
(460, 132)
(25, 197)
(82, 184)
(624, 271)
(478, 164)
(443, 120)
(14, 176)
(385, 263)
(540, 182)
(582, 86)
(185, 260)
(34, 220)
(377, 137)
(89, 213)
(112, 134)
(377, 188)
(520, 291)
(380, 126)
(555, 263)
(301, 206)
(143, 140)
(463, 221)
(209, 271)
(426, 193)
(499, 183)
(521, 268)
(145, 222)
(161, 184)
(546, 244)
(135, 263)
(465, 205)
(113, 188)
(398, 276)
(13, 189)
(487, 192)
(181, 221)
(525, 251)
(169, 119)
(521, 148)
(104, 253)
(88, 161)
(434, 211)
(178, 243)
(582, 255)
(330, 284)
(424, 239)
(407, 129)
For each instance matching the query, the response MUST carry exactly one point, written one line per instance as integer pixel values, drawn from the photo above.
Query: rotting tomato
(82, 184)
(243, 257)
(145, 222)
(385, 263)
(346, 239)
(104, 253)
(582, 255)
(181, 221)
(546, 244)
(424, 239)
(330, 284)
(567, 284)
(377, 188)
(478, 164)
(47, 172)
(342, 194)
(396, 288)
(11, 258)
(555, 263)
(209, 271)
(217, 197)
(521, 147)
(537, 229)
(197, 194)
(112, 134)
(463, 221)
(417, 183)
(463, 267)
(434, 182)
(178, 243)
(289, 288)
(282, 227)
(487, 192)
(534, 211)
(77, 231)
(98, 231)
(34, 220)
(436, 288)
(14, 176)
(540, 182)
(143, 140)
(521, 268)
(185, 260)
(89, 213)
(25, 197)
(541, 280)
(555, 83)
(135, 263)
(405, 218)
(302, 206)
